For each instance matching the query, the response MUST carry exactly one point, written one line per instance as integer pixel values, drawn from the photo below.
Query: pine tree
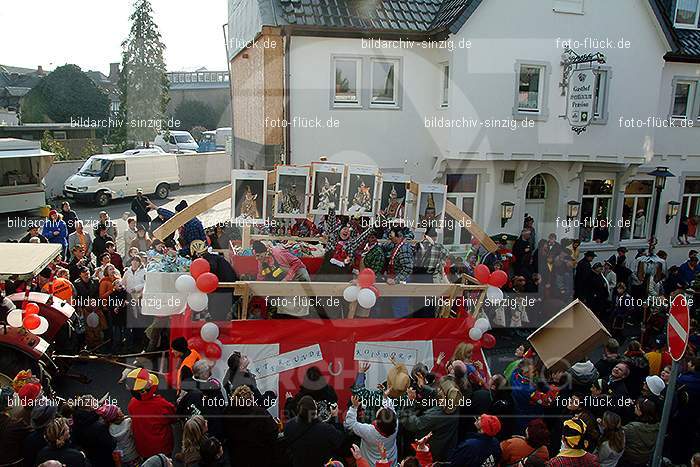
(143, 83)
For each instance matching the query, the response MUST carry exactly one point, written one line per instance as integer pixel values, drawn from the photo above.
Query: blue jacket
(477, 450)
(687, 274)
(55, 226)
(193, 229)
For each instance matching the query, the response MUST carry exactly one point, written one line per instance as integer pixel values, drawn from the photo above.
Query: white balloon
(92, 320)
(14, 318)
(43, 327)
(209, 332)
(350, 293)
(475, 333)
(366, 298)
(483, 324)
(198, 301)
(185, 284)
(494, 294)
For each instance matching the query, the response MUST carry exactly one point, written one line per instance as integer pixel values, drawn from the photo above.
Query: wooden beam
(464, 219)
(335, 289)
(192, 211)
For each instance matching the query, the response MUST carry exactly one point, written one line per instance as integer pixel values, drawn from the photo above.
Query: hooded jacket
(371, 437)
(640, 439)
(56, 226)
(152, 417)
(476, 450)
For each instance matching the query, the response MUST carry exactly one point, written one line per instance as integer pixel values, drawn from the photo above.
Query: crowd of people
(455, 413)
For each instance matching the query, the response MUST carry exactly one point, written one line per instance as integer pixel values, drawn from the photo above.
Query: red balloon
(488, 341)
(481, 273)
(366, 278)
(31, 309)
(199, 267)
(212, 351)
(196, 343)
(498, 278)
(374, 289)
(31, 322)
(207, 282)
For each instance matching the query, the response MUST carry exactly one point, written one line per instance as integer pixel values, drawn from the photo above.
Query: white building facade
(480, 108)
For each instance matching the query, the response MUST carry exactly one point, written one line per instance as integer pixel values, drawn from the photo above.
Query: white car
(178, 142)
(151, 150)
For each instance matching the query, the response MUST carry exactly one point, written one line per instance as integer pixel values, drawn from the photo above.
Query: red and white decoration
(678, 327)
(28, 318)
(364, 293)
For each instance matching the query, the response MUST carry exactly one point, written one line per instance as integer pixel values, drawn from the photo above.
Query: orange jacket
(187, 362)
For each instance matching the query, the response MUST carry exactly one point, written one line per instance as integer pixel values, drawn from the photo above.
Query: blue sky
(89, 33)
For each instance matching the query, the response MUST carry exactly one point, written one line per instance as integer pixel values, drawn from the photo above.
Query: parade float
(282, 350)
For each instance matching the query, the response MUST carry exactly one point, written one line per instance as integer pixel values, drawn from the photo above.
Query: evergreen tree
(143, 83)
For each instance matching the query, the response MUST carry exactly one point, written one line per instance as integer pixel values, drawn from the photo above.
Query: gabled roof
(371, 16)
(684, 42)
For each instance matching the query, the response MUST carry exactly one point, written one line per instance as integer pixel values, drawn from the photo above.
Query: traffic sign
(678, 327)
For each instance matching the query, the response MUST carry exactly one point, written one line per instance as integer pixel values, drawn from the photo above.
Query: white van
(178, 142)
(104, 177)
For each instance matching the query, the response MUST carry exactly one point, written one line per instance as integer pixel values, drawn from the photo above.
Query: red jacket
(151, 419)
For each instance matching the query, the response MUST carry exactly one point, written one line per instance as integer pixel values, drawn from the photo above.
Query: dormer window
(686, 13)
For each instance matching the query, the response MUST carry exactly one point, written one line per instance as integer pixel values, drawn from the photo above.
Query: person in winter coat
(13, 429)
(192, 230)
(311, 440)
(610, 358)
(116, 307)
(42, 415)
(441, 419)
(238, 374)
(80, 237)
(99, 243)
(69, 216)
(640, 435)
(151, 414)
(612, 443)
(33, 232)
(140, 206)
(58, 447)
(120, 429)
(55, 231)
(134, 282)
(639, 367)
(534, 443)
(481, 448)
(250, 430)
(382, 431)
(314, 385)
(91, 434)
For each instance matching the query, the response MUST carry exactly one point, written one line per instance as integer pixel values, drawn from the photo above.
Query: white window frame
(542, 112)
(568, 6)
(459, 197)
(685, 25)
(358, 82)
(689, 196)
(188, 77)
(693, 104)
(397, 71)
(649, 214)
(600, 113)
(596, 204)
(444, 85)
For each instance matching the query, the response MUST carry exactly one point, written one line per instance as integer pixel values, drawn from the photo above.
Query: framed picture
(392, 204)
(248, 199)
(361, 190)
(291, 185)
(327, 185)
(430, 211)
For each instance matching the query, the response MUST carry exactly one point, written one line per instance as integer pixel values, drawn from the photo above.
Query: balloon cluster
(477, 332)
(495, 281)
(365, 293)
(197, 284)
(29, 319)
(207, 343)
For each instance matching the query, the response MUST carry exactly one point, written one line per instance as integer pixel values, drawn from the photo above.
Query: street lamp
(672, 210)
(572, 208)
(660, 175)
(506, 212)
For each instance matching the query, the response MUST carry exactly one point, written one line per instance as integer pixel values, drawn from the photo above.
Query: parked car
(178, 142)
(105, 177)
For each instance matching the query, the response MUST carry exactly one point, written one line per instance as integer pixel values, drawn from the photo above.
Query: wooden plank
(192, 211)
(245, 236)
(462, 217)
(335, 289)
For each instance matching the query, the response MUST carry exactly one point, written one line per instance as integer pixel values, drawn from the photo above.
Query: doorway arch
(542, 203)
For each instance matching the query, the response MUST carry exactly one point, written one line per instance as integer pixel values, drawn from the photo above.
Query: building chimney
(40, 70)
(114, 72)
